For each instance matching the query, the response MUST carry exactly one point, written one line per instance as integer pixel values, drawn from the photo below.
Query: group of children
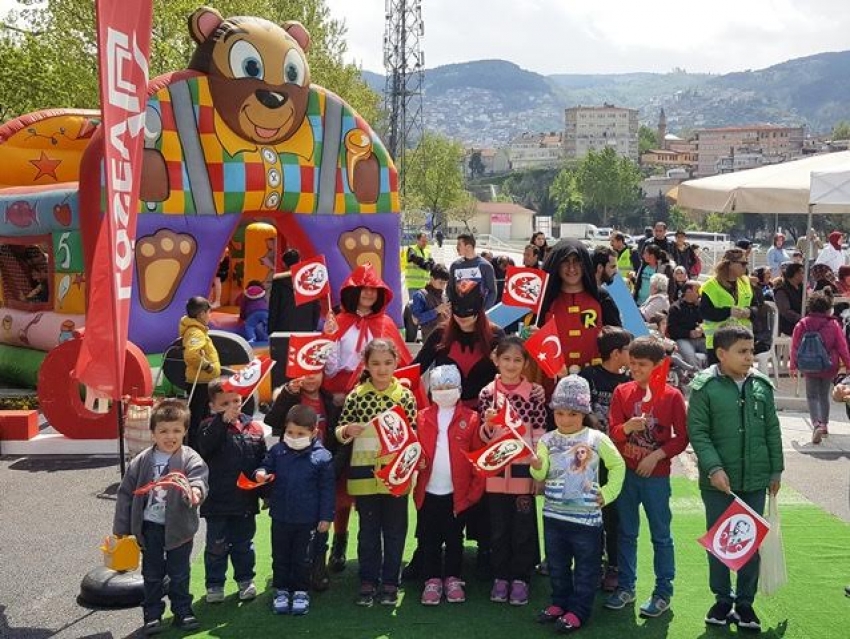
(600, 447)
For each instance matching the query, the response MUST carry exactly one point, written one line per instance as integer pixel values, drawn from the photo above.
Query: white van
(714, 242)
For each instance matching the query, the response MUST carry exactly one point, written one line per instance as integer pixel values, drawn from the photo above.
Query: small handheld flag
(246, 380)
(524, 287)
(310, 280)
(736, 535)
(545, 347)
(308, 353)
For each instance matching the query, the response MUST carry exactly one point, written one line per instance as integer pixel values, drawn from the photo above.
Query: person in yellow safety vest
(417, 274)
(624, 257)
(727, 298)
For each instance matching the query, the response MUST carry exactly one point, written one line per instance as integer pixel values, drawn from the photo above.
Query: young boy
(429, 305)
(302, 504)
(735, 434)
(202, 363)
(603, 379)
(648, 437)
(231, 443)
(164, 521)
(308, 391)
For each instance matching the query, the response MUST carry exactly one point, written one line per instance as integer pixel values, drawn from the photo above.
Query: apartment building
(597, 127)
(736, 148)
(536, 150)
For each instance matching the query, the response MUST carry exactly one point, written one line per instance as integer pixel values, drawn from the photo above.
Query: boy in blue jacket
(302, 505)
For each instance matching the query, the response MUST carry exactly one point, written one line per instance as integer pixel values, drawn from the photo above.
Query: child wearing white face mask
(301, 505)
(447, 485)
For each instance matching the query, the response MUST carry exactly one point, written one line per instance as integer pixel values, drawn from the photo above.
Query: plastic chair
(779, 344)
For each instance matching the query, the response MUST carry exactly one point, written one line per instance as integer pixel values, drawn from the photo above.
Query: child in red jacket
(447, 484)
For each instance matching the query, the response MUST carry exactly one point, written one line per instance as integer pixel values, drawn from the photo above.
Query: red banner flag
(736, 535)
(398, 474)
(308, 353)
(310, 280)
(495, 456)
(524, 287)
(393, 430)
(123, 44)
(545, 347)
(656, 384)
(246, 380)
(411, 377)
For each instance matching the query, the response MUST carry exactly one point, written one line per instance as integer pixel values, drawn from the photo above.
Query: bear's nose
(270, 99)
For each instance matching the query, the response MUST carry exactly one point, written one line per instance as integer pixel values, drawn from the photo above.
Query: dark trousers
(199, 410)
(292, 557)
(440, 527)
(513, 535)
(719, 578)
(157, 562)
(610, 524)
(232, 537)
(380, 540)
(574, 552)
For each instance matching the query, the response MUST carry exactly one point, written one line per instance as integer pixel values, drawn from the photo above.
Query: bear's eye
(294, 68)
(245, 61)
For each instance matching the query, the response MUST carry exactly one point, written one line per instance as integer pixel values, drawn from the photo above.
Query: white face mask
(446, 398)
(297, 443)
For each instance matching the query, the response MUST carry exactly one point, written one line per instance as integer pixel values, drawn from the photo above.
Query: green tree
(608, 183)
(647, 139)
(841, 130)
(464, 211)
(678, 219)
(566, 195)
(721, 222)
(432, 174)
(531, 189)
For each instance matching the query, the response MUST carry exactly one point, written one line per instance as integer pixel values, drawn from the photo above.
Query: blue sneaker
(655, 606)
(300, 603)
(280, 605)
(619, 599)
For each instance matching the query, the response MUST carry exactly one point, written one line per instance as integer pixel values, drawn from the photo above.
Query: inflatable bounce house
(244, 158)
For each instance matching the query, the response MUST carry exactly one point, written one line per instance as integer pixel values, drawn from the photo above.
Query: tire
(105, 588)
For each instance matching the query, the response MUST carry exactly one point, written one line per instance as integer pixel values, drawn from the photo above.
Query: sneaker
(215, 594)
(542, 568)
(655, 606)
(499, 593)
(847, 591)
(719, 613)
(519, 593)
(300, 603)
(568, 623)
(389, 596)
(153, 627)
(611, 579)
(550, 614)
(247, 591)
(619, 599)
(187, 622)
(454, 590)
(280, 604)
(432, 594)
(817, 434)
(745, 618)
(366, 597)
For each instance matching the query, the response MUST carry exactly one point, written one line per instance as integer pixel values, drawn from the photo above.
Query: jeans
(688, 349)
(292, 557)
(437, 525)
(514, 539)
(654, 494)
(719, 579)
(380, 540)
(257, 326)
(156, 564)
(574, 553)
(231, 536)
(818, 397)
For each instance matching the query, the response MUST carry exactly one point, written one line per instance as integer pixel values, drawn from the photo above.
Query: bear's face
(259, 78)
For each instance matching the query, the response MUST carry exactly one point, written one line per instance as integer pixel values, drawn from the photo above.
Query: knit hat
(255, 292)
(572, 393)
(447, 375)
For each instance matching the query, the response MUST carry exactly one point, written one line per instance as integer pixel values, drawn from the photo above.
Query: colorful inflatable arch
(241, 152)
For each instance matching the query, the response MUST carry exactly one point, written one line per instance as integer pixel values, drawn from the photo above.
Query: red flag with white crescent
(310, 280)
(394, 432)
(246, 380)
(655, 385)
(524, 287)
(308, 353)
(545, 347)
(736, 535)
(398, 474)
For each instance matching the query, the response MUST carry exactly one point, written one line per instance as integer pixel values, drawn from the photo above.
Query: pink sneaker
(454, 590)
(433, 592)
(519, 593)
(499, 593)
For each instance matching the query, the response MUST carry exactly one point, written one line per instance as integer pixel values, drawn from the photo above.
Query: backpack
(812, 356)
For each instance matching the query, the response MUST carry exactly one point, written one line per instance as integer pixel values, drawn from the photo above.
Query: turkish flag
(524, 287)
(247, 379)
(249, 484)
(398, 474)
(736, 535)
(411, 377)
(308, 353)
(310, 280)
(545, 347)
(498, 454)
(656, 384)
(393, 430)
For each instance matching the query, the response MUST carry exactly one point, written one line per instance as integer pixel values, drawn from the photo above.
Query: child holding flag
(510, 493)
(735, 434)
(648, 424)
(383, 516)
(568, 461)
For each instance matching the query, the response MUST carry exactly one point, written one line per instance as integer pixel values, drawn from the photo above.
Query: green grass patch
(811, 606)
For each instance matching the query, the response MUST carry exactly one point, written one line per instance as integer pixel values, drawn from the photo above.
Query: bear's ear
(203, 23)
(298, 33)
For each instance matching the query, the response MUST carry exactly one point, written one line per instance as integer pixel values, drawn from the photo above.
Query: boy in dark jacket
(735, 433)
(231, 443)
(302, 504)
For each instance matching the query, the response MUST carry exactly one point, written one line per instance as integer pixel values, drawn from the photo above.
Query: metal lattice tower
(404, 63)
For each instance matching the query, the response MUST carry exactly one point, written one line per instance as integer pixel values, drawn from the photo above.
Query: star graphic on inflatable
(45, 166)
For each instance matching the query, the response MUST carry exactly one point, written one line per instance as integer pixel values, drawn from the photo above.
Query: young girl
(383, 517)
(568, 461)
(510, 494)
